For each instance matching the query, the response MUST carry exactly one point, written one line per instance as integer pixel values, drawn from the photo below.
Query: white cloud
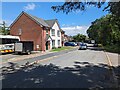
(29, 6)
(74, 30)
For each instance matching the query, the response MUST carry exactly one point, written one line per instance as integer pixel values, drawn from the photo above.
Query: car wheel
(28, 53)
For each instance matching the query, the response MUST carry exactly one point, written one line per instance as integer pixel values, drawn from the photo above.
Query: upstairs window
(58, 33)
(19, 31)
(53, 32)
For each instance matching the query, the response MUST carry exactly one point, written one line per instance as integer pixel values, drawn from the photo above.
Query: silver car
(83, 46)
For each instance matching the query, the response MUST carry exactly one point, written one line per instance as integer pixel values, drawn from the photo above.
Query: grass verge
(61, 49)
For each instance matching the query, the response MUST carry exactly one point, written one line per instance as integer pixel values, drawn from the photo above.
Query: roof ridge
(51, 19)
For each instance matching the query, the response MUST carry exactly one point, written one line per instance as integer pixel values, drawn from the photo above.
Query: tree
(113, 7)
(75, 5)
(79, 38)
(105, 30)
(4, 30)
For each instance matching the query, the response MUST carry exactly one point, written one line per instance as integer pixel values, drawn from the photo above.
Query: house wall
(48, 39)
(56, 38)
(30, 31)
(62, 38)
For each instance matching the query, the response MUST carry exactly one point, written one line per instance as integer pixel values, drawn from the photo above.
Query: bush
(59, 47)
(100, 45)
(53, 47)
(112, 48)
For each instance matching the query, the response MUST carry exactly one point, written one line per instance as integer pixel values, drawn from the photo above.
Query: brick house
(31, 28)
(66, 38)
(62, 37)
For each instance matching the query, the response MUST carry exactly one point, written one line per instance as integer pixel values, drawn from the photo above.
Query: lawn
(62, 48)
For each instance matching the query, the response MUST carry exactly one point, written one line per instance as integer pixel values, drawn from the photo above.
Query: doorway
(47, 45)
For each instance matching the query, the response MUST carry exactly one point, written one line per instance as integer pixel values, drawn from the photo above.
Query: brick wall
(62, 38)
(30, 31)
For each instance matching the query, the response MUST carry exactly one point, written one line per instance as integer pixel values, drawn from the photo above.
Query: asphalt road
(32, 59)
(8, 56)
(69, 59)
(67, 69)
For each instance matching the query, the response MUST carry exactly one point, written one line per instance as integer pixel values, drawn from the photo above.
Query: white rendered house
(55, 33)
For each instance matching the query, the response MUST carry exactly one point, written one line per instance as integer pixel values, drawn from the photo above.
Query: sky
(72, 23)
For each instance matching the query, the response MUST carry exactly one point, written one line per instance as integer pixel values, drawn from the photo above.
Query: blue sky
(72, 23)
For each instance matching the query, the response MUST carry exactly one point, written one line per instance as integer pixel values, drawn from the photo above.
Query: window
(58, 33)
(47, 36)
(53, 32)
(62, 38)
(58, 42)
(8, 41)
(46, 31)
(53, 43)
(19, 31)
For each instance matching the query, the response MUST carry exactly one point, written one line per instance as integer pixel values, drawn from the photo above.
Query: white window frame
(53, 32)
(58, 33)
(53, 43)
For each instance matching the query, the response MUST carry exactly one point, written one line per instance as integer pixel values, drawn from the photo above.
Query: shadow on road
(82, 75)
(6, 53)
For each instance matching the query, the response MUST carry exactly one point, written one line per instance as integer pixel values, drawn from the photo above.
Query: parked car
(95, 45)
(74, 43)
(69, 44)
(83, 46)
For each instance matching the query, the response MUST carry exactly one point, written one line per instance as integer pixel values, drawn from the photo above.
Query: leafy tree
(79, 38)
(105, 30)
(4, 30)
(75, 5)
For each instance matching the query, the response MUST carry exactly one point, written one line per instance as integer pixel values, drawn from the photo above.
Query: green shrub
(112, 48)
(100, 45)
(59, 47)
(53, 47)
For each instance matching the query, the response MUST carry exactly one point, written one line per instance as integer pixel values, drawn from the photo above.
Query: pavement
(66, 69)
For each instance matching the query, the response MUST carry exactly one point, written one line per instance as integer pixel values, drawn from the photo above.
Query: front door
(47, 45)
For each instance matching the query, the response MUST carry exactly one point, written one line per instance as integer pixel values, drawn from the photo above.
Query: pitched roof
(48, 37)
(51, 22)
(62, 31)
(36, 19)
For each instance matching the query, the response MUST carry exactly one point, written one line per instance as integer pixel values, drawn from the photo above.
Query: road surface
(73, 69)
